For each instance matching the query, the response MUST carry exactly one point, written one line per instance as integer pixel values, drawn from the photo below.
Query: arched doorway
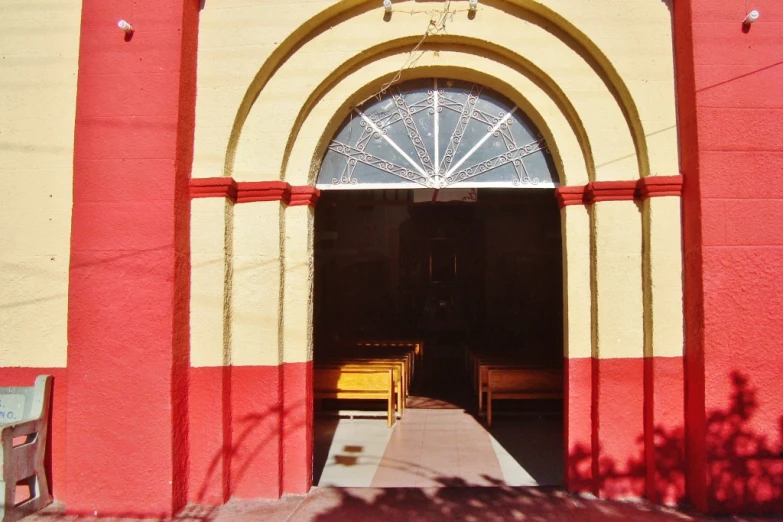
(438, 231)
(611, 128)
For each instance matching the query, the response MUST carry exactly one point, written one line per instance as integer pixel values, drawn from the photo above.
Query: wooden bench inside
(397, 365)
(523, 383)
(390, 346)
(351, 382)
(483, 373)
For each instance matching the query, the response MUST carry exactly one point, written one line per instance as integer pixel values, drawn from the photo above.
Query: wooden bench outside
(24, 428)
(527, 383)
(340, 382)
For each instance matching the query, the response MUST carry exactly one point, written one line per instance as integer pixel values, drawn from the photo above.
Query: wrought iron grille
(437, 133)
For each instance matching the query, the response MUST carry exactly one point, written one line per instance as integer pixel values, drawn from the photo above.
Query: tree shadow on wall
(246, 440)
(744, 469)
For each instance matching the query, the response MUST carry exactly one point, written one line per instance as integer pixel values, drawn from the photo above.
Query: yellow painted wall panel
(33, 311)
(255, 296)
(209, 294)
(575, 226)
(663, 263)
(617, 291)
(298, 291)
(40, 46)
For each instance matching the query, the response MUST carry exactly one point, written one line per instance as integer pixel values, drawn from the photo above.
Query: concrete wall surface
(39, 45)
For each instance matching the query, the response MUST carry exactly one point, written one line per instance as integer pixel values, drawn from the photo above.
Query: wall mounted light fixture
(472, 5)
(387, 6)
(125, 26)
(752, 17)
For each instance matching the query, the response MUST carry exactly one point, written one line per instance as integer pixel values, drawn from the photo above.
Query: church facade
(158, 210)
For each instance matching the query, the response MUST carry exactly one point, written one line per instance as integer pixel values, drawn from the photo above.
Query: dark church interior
(484, 274)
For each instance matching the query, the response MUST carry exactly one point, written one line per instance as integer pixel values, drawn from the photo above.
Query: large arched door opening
(438, 232)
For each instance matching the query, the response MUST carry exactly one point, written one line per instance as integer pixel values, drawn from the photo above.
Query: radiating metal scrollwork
(403, 134)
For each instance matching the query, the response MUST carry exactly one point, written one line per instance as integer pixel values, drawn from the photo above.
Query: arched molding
(564, 39)
(323, 120)
(516, 82)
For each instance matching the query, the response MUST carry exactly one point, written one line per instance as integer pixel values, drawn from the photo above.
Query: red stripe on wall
(304, 196)
(297, 427)
(578, 429)
(656, 186)
(664, 429)
(256, 427)
(609, 191)
(653, 186)
(55, 447)
(625, 427)
(569, 196)
(213, 188)
(618, 427)
(251, 432)
(128, 350)
(210, 435)
(249, 191)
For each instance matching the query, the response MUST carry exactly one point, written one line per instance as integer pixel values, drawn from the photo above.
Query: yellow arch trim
(459, 44)
(444, 71)
(528, 10)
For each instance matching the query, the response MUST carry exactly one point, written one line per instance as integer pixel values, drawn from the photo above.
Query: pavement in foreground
(471, 504)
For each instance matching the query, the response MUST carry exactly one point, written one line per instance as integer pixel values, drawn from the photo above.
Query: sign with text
(11, 407)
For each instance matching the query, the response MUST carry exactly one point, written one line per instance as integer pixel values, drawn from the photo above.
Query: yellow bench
(398, 366)
(415, 345)
(353, 352)
(346, 382)
(523, 383)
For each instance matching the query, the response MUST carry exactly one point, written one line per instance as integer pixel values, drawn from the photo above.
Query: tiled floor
(496, 504)
(348, 451)
(438, 447)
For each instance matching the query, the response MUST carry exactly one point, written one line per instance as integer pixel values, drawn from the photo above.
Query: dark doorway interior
(485, 274)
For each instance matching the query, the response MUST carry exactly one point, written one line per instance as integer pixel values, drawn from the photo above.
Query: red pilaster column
(731, 140)
(128, 297)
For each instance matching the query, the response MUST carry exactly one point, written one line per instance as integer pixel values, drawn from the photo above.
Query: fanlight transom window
(437, 133)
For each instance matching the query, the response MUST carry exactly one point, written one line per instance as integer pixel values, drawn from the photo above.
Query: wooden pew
(397, 365)
(416, 345)
(483, 373)
(380, 352)
(523, 383)
(339, 382)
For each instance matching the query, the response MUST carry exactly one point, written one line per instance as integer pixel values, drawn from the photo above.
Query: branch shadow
(745, 474)
(744, 466)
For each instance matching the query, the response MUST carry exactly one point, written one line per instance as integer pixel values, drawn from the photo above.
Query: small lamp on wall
(472, 5)
(752, 17)
(125, 26)
(387, 6)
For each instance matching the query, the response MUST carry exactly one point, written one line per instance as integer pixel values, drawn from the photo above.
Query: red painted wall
(251, 432)
(731, 138)
(128, 350)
